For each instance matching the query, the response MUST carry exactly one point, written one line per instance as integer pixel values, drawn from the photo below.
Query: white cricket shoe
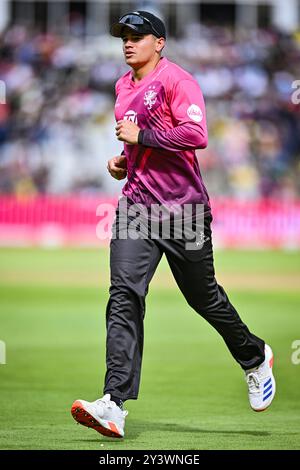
(261, 383)
(103, 415)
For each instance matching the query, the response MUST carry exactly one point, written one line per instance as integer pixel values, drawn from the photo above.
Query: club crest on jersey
(150, 98)
(131, 115)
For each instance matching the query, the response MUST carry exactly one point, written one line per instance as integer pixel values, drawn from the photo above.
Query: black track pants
(133, 263)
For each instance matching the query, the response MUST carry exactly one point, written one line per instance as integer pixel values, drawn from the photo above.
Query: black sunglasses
(137, 19)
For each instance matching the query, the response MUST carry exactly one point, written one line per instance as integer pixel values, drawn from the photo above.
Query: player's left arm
(188, 111)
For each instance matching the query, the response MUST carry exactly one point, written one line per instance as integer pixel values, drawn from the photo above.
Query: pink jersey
(167, 104)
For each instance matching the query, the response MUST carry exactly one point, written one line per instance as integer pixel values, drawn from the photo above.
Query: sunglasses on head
(136, 20)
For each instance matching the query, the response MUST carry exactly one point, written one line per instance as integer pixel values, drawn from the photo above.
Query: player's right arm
(117, 167)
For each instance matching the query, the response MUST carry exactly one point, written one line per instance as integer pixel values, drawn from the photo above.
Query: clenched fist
(127, 131)
(117, 167)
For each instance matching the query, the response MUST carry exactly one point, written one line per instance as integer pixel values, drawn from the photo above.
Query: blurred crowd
(57, 125)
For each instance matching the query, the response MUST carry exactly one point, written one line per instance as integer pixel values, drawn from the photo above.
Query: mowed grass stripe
(193, 394)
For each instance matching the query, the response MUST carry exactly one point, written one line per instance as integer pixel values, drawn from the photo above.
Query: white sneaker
(103, 415)
(261, 383)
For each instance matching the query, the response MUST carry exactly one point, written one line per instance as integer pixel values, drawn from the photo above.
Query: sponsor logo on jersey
(131, 115)
(195, 113)
(150, 97)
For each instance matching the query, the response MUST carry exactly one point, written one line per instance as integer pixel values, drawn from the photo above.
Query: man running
(160, 114)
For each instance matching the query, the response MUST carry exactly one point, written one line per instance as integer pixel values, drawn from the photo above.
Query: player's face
(139, 49)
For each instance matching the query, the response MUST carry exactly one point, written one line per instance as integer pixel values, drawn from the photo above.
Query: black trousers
(133, 263)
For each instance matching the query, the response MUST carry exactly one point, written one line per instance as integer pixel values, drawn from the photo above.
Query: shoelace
(253, 382)
(110, 405)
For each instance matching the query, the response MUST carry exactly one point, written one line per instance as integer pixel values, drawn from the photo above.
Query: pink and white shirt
(168, 106)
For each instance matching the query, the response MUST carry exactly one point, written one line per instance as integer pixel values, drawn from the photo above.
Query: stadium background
(59, 66)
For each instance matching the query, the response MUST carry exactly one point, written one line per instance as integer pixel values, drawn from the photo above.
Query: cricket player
(160, 115)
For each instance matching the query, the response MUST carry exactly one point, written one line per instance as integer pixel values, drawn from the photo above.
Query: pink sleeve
(188, 113)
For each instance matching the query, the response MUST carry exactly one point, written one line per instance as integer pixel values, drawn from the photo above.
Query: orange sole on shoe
(259, 411)
(83, 417)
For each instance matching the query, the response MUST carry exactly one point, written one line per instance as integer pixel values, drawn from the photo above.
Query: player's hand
(117, 167)
(127, 131)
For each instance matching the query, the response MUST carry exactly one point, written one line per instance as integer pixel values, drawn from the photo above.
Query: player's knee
(201, 306)
(128, 291)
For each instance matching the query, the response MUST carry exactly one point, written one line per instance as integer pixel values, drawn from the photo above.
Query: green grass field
(193, 394)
